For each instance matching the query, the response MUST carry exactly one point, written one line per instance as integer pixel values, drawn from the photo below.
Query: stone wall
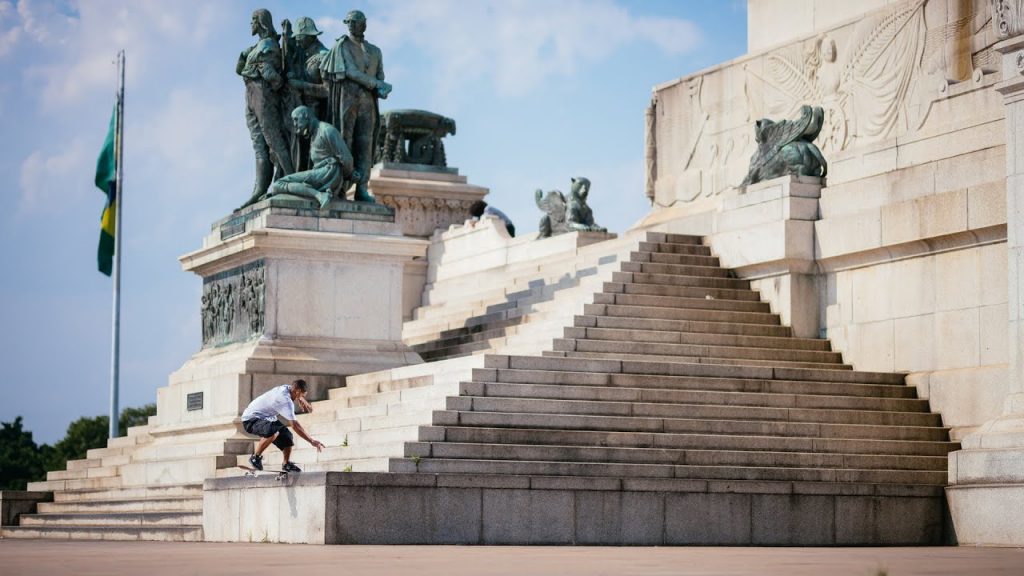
(909, 241)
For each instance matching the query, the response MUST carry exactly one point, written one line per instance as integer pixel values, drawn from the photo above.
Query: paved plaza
(47, 557)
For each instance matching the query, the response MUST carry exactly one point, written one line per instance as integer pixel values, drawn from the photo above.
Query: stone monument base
(290, 291)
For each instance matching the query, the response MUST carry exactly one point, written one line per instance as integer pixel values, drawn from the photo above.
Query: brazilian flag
(106, 181)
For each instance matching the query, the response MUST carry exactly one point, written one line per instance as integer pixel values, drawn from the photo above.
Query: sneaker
(256, 461)
(289, 467)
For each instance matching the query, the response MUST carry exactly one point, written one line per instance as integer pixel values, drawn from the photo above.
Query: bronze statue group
(311, 111)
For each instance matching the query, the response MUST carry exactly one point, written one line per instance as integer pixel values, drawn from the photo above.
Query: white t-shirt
(277, 400)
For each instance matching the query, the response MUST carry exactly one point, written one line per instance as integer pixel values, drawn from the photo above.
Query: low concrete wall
(369, 508)
(14, 503)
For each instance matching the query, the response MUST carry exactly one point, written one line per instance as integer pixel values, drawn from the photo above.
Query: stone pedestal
(986, 496)
(291, 292)
(424, 198)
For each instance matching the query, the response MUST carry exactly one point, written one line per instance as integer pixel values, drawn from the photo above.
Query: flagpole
(115, 353)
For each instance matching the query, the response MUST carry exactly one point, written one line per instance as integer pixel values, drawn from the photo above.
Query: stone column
(986, 495)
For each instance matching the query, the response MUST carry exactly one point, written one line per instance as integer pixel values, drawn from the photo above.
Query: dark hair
(476, 209)
(300, 384)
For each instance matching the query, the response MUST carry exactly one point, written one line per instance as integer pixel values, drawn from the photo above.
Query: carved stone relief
(233, 304)
(421, 215)
(1008, 16)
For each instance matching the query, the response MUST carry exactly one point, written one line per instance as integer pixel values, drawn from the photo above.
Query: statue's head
(263, 23)
(356, 22)
(304, 120)
(760, 127)
(305, 31)
(580, 187)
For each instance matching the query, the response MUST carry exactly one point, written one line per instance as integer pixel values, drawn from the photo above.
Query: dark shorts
(267, 428)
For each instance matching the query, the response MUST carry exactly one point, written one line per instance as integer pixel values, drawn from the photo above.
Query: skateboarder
(260, 418)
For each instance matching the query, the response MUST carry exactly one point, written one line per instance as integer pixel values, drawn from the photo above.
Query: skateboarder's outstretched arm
(305, 436)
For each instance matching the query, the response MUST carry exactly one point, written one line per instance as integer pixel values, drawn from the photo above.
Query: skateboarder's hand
(318, 445)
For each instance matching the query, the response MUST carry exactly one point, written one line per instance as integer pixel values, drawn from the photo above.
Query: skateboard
(251, 472)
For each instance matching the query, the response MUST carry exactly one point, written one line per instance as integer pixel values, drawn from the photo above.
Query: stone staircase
(139, 487)
(678, 370)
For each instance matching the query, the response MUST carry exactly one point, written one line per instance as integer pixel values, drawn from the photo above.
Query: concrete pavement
(43, 557)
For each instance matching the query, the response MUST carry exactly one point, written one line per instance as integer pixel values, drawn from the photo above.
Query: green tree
(85, 434)
(20, 461)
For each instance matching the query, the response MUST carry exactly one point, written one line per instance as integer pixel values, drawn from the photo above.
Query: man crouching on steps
(260, 418)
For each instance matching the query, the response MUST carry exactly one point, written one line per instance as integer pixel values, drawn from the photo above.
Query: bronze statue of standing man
(260, 66)
(354, 70)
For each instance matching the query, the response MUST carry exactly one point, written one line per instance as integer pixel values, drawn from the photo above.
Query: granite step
(468, 434)
(694, 396)
(681, 314)
(672, 258)
(675, 456)
(612, 366)
(717, 384)
(649, 348)
(689, 411)
(155, 533)
(184, 503)
(673, 248)
(603, 423)
(130, 493)
(665, 325)
(677, 270)
(146, 519)
(668, 237)
(680, 291)
(682, 303)
(621, 470)
(696, 359)
(697, 338)
(625, 277)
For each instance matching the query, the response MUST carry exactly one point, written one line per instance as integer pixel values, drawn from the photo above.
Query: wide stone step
(680, 291)
(564, 378)
(623, 347)
(335, 431)
(131, 493)
(697, 359)
(273, 461)
(155, 533)
(625, 277)
(704, 303)
(673, 248)
(190, 518)
(466, 466)
(468, 434)
(461, 339)
(696, 338)
(654, 395)
(458, 350)
(687, 426)
(677, 269)
(689, 457)
(609, 366)
(672, 258)
(663, 325)
(191, 504)
(690, 411)
(681, 314)
(670, 238)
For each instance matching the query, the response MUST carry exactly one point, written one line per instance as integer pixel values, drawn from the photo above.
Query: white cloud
(47, 178)
(516, 44)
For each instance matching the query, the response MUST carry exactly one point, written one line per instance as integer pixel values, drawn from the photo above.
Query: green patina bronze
(787, 147)
(413, 137)
(563, 214)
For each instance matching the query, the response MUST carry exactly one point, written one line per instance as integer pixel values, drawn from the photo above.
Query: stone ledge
(390, 508)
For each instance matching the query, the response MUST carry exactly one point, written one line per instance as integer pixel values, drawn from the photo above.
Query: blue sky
(541, 92)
